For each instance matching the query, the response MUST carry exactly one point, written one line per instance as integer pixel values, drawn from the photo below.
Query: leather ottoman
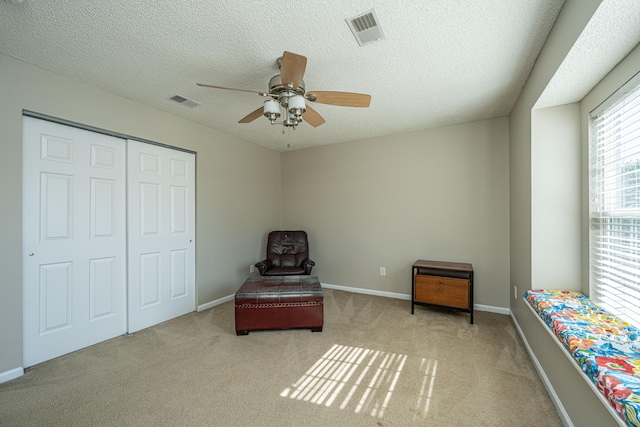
(279, 302)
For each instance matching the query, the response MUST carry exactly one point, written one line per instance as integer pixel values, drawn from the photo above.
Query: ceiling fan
(287, 96)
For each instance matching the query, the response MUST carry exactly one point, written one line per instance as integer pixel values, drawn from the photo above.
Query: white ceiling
(442, 61)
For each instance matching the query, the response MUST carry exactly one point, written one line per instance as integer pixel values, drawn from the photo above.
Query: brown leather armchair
(287, 254)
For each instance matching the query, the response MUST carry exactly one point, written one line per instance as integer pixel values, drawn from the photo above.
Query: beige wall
(555, 199)
(439, 194)
(234, 178)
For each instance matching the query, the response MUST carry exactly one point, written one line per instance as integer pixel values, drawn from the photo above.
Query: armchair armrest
(264, 265)
(307, 264)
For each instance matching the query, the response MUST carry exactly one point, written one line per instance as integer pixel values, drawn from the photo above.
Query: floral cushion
(604, 346)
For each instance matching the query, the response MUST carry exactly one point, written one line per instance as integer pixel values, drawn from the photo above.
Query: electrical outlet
(515, 292)
(252, 268)
(383, 271)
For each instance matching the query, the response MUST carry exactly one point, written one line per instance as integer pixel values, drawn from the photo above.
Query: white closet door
(161, 222)
(74, 239)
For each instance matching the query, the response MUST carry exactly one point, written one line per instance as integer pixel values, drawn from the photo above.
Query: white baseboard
(367, 291)
(396, 295)
(215, 302)
(407, 297)
(11, 375)
(491, 309)
(564, 416)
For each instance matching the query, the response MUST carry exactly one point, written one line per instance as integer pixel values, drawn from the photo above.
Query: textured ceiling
(442, 61)
(612, 32)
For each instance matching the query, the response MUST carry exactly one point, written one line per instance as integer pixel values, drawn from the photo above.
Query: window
(614, 186)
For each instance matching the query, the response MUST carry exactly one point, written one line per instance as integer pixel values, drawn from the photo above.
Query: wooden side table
(446, 284)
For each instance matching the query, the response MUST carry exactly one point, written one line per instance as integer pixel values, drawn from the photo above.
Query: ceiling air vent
(366, 27)
(184, 101)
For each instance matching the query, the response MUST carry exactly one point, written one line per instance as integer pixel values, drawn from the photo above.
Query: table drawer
(446, 291)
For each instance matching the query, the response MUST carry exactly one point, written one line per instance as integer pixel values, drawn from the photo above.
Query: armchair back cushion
(287, 253)
(287, 248)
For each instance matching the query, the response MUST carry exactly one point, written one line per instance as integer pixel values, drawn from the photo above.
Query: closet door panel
(161, 234)
(74, 239)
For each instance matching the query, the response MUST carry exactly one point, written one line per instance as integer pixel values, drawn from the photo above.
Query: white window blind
(614, 166)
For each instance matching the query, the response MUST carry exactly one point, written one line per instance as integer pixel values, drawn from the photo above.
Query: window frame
(614, 256)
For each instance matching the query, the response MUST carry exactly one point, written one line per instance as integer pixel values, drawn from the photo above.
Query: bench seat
(606, 348)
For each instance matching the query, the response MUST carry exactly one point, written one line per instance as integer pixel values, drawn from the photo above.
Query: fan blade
(343, 99)
(312, 117)
(292, 68)
(230, 88)
(252, 116)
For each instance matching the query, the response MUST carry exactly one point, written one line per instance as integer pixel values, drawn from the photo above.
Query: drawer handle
(441, 282)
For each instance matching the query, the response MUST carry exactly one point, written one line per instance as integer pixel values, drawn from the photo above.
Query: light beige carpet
(374, 364)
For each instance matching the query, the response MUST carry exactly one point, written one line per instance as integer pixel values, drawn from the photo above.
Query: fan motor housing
(276, 87)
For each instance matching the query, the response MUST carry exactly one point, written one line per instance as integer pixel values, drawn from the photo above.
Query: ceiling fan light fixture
(297, 106)
(272, 110)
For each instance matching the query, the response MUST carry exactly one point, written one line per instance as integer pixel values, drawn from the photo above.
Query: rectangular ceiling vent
(184, 101)
(366, 27)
